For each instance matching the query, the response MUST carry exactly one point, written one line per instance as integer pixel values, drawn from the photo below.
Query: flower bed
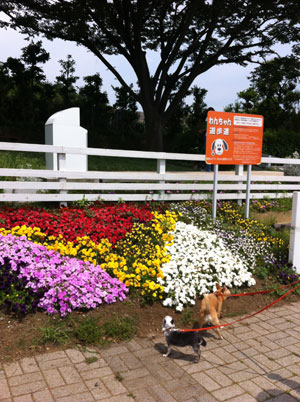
(170, 255)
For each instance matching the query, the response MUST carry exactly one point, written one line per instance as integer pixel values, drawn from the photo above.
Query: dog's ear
(213, 145)
(225, 145)
(218, 286)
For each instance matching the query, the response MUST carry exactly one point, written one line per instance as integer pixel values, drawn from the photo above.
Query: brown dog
(211, 307)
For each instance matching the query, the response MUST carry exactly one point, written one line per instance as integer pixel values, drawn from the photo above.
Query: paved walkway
(258, 360)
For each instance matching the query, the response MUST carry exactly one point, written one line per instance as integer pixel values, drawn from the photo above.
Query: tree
(95, 110)
(273, 92)
(24, 92)
(190, 37)
(66, 80)
(128, 130)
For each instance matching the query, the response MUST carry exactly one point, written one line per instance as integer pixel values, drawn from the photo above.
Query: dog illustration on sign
(218, 147)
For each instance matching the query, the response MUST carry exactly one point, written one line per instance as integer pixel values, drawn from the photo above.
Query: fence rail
(33, 185)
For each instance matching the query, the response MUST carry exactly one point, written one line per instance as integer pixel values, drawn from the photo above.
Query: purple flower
(67, 283)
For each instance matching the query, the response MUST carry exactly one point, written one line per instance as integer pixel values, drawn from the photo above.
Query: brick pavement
(258, 360)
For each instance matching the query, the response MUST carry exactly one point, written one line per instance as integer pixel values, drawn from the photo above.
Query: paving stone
(69, 374)
(85, 397)
(219, 377)
(207, 397)
(98, 389)
(181, 394)
(25, 379)
(132, 374)
(294, 368)
(51, 356)
(276, 354)
(246, 353)
(267, 386)
(23, 398)
(212, 358)
(54, 363)
(120, 398)
(277, 335)
(116, 364)
(130, 360)
(255, 390)
(75, 355)
(143, 395)
(197, 367)
(29, 365)
(84, 366)
(99, 372)
(172, 368)
(114, 351)
(113, 385)
(288, 360)
(284, 398)
(28, 388)
(141, 382)
(69, 390)
(288, 340)
(259, 346)
(225, 356)
(160, 394)
(270, 364)
(53, 378)
(133, 345)
(159, 372)
(43, 396)
(243, 398)
(4, 390)
(228, 393)
(12, 369)
(208, 383)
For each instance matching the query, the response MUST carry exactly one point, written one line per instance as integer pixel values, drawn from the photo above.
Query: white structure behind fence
(64, 186)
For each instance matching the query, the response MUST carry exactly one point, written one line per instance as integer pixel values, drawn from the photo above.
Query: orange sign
(233, 138)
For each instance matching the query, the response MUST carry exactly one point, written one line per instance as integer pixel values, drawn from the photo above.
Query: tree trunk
(154, 126)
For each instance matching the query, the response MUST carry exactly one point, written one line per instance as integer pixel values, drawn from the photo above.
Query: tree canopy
(190, 37)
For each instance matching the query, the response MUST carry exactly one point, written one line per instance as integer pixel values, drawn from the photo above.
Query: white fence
(32, 185)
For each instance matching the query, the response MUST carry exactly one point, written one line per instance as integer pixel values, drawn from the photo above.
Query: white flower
(199, 259)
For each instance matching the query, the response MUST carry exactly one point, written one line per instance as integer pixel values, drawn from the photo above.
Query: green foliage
(280, 143)
(186, 317)
(55, 332)
(87, 331)
(119, 329)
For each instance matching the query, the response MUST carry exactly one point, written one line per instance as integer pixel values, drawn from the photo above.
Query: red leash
(259, 292)
(248, 316)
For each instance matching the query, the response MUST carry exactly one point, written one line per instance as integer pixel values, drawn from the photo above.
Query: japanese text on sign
(233, 138)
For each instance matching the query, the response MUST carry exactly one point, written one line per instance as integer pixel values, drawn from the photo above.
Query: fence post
(239, 171)
(61, 165)
(294, 253)
(161, 169)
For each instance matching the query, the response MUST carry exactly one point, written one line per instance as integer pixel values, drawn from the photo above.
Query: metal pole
(248, 191)
(214, 211)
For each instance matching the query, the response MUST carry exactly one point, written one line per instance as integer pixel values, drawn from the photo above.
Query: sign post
(233, 139)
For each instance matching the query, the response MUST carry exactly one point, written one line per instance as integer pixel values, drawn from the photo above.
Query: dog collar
(169, 330)
(219, 294)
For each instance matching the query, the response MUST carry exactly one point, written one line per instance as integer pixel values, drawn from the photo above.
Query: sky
(222, 82)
